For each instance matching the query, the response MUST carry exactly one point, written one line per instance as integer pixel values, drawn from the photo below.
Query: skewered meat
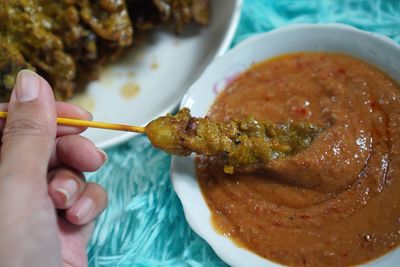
(238, 143)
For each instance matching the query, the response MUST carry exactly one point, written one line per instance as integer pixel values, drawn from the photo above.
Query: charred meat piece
(236, 143)
(11, 62)
(25, 27)
(59, 37)
(151, 13)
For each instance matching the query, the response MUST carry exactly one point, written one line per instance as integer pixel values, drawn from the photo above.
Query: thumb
(30, 129)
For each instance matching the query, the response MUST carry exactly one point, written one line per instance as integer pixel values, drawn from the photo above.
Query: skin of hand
(46, 206)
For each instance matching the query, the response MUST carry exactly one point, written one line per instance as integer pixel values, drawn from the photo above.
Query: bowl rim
(186, 102)
(287, 28)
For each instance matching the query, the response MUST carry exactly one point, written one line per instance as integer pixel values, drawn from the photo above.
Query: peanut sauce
(336, 203)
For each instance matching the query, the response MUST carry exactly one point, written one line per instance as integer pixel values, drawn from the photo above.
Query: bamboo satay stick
(93, 124)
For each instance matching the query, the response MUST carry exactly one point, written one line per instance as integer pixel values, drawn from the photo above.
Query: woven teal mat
(144, 224)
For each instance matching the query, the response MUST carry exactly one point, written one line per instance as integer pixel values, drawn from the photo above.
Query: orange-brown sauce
(336, 203)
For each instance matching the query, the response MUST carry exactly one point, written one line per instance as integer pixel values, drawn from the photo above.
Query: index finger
(66, 110)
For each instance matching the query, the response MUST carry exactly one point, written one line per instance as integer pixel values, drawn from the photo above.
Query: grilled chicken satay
(237, 143)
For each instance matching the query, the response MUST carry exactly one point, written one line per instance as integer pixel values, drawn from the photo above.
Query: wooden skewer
(93, 124)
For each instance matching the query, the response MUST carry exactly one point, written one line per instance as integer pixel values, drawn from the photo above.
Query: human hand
(41, 167)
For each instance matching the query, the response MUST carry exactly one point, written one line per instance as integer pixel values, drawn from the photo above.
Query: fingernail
(67, 189)
(83, 208)
(103, 154)
(27, 86)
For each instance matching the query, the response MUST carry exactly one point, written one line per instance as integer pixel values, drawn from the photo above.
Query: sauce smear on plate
(335, 203)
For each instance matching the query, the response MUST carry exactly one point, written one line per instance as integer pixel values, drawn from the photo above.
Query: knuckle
(100, 192)
(25, 127)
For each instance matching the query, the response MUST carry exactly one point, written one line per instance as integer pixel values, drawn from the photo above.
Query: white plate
(162, 67)
(371, 47)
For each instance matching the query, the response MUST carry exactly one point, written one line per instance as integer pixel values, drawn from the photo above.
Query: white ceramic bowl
(371, 47)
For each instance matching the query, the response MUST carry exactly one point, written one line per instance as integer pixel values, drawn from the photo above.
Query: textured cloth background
(144, 224)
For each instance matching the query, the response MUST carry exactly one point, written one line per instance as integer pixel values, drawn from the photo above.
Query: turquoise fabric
(144, 224)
